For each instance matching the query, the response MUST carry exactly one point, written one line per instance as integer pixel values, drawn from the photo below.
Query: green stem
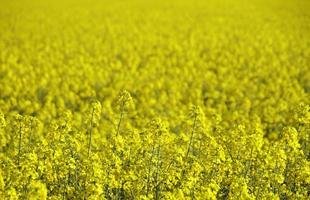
(120, 119)
(157, 188)
(30, 133)
(192, 136)
(90, 132)
(149, 172)
(20, 141)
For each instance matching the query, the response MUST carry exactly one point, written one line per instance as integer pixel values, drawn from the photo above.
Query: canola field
(166, 99)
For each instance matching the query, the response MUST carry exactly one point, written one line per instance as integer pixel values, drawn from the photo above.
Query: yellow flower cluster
(165, 99)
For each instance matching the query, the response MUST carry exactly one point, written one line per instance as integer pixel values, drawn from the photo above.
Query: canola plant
(166, 99)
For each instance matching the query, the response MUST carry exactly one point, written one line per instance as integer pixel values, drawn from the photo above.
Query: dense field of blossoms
(133, 99)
